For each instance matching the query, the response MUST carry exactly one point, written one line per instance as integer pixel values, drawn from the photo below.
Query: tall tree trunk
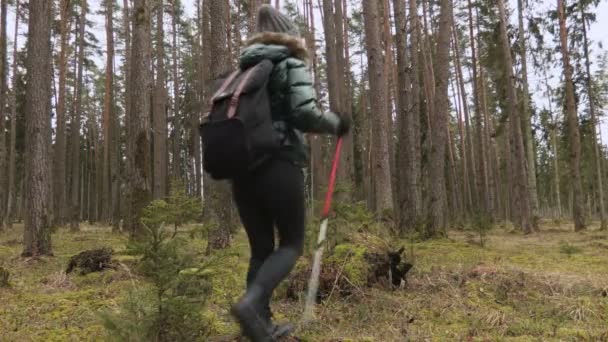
(437, 210)
(346, 157)
(407, 202)
(220, 192)
(10, 204)
(316, 142)
(573, 131)
(521, 198)
(76, 117)
(482, 168)
(471, 176)
(3, 93)
(177, 124)
(59, 155)
(37, 233)
(108, 116)
(527, 119)
(160, 111)
(138, 160)
(379, 101)
(194, 119)
(414, 210)
(254, 5)
(594, 122)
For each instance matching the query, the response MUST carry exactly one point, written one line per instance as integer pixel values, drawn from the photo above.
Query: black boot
(279, 330)
(249, 311)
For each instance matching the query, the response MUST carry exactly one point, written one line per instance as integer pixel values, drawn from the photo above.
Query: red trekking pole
(313, 283)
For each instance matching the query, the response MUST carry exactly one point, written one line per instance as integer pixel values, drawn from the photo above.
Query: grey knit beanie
(271, 20)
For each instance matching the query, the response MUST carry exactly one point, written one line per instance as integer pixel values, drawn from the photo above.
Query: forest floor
(549, 286)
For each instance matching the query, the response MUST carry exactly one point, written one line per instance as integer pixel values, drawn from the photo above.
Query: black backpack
(237, 132)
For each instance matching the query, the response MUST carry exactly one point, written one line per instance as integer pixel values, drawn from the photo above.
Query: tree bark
(573, 130)
(37, 233)
(342, 69)
(3, 93)
(482, 165)
(59, 155)
(160, 111)
(527, 119)
(109, 167)
(220, 197)
(10, 203)
(138, 166)
(379, 101)
(437, 209)
(76, 117)
(521, 196)
(177, 124)
(407, 178)
(595, 124)
(471, 175)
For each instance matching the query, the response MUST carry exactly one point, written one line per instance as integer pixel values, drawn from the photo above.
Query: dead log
(90, 261)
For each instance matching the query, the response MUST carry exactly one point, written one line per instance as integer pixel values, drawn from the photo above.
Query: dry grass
(517, 288)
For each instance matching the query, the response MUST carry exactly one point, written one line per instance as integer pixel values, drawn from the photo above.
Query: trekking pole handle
(332, 180)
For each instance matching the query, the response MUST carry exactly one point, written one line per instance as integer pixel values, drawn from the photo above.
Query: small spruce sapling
(177, 210)
(171, 310)
(481, 225)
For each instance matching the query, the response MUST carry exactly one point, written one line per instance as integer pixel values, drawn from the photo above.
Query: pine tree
(520, 200)
(160, 111)
(10, 203)
(76, 120)
(437, 211)
(37, 233)
(138, 158)
(379, 102)
(572, 119)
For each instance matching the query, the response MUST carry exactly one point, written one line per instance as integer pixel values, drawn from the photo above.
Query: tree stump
(90, 261)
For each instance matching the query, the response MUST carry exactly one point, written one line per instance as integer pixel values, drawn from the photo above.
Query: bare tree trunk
(482, 168)
(471, 175)
(3, 93)
(177, 124)
(521, 199)
(414, 210)
(316, 142)
(379, 101)
(220, 193)
(10, 210)
(109, 169)
(407, 178)
(138, 159)
(594, 122)
(346, 157)
(573, 130)
(59, 155)
(527, 120)
(437, 211)
(76, 117)
(160, 111)
(37, 233)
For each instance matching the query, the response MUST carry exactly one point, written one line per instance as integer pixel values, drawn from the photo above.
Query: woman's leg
(260, 231)
(284, 198)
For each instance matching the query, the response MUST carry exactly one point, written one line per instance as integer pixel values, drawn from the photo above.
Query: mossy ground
(550, 286)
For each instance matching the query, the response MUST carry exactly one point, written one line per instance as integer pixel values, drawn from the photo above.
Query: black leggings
(272, 195)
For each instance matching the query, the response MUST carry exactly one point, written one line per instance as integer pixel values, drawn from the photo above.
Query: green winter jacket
(292, 96)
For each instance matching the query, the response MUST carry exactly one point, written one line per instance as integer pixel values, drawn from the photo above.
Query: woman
(273, 194)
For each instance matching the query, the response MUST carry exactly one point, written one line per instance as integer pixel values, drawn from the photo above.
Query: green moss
(351, 259)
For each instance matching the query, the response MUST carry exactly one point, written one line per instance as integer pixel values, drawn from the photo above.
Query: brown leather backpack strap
(224, 86)
(234, 101)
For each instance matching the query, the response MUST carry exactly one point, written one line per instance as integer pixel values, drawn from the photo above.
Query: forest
(470, 195)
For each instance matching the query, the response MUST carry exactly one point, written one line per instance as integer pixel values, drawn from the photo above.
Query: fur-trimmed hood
(274, 46)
